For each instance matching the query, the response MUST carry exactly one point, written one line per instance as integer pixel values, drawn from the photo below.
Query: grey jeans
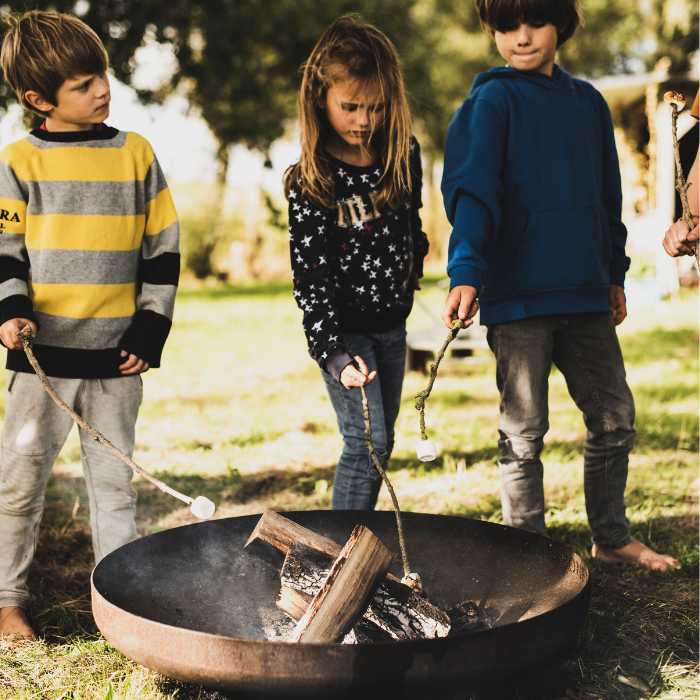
(34, 431)
(585, 348)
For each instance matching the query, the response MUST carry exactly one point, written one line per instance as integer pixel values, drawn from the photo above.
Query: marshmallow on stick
(201, 507)
(425, 449)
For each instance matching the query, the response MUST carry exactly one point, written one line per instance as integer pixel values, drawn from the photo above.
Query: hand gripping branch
(201, 507)
(677, 102)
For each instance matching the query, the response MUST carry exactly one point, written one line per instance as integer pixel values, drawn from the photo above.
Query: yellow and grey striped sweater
(89, 249)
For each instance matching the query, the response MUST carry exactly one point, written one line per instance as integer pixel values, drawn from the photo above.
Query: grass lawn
(238, 413)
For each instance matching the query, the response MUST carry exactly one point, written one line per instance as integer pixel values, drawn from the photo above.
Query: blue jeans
(585, 348)
(357, 482)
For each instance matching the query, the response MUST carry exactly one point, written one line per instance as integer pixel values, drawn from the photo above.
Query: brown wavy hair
(351, 50)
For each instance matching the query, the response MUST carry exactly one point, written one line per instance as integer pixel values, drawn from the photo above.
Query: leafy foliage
(239, 61)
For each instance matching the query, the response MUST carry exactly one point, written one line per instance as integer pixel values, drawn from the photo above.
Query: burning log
(395, 609)
(401, 613)
(346, 591)
(305, 569)
(281, 533)
(295, 603)
(464, 617)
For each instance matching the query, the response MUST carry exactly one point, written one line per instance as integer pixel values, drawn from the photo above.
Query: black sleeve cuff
(418, 266)
(146, 336)
(16, 306)
(336, 362)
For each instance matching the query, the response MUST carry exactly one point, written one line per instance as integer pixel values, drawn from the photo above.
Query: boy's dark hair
(505, 15)
(41, 50)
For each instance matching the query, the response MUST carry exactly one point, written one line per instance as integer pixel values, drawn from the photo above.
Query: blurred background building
(212, 84)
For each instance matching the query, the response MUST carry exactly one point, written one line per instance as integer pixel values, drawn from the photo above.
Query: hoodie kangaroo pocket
(563, 249)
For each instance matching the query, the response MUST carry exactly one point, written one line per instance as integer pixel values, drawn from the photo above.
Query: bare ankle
(14, 623)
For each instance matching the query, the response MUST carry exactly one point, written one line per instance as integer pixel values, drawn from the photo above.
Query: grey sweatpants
(34, 432)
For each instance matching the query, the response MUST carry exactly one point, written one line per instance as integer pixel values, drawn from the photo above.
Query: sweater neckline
(105, 134)
(343, 164)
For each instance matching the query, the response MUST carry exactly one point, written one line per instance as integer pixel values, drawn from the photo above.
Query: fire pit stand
(193, 604)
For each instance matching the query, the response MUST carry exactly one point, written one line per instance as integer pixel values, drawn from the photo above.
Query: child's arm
(313, 287)
(15, 306)
(472, 189)
(159, 272)
(420, 240)
(612, 199)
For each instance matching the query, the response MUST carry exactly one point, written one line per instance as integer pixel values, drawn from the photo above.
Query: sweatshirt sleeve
(472, 189)
(612, 199)
(420, 239)
(14, 259)
(313, 288)
(159, 272)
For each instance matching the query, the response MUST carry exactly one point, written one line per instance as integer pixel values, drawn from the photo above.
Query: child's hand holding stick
(677, 102)
(201, 507)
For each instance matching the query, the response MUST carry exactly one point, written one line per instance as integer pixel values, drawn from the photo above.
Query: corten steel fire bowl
(193, 604)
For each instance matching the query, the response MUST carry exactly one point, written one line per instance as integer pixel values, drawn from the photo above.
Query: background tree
(238, 61)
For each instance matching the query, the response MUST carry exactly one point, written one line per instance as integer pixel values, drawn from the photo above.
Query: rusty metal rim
(249, 665)
(104, 603)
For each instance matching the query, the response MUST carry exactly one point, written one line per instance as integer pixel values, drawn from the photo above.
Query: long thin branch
(681, 184)
(394, 500)
(25, 335)
(420, 404)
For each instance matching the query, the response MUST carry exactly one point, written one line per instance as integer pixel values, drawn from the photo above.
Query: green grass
(239, 413)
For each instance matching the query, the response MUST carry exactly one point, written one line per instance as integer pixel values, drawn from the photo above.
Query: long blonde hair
(350, 50)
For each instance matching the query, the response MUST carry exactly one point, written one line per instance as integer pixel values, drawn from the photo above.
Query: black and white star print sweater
(352, 267)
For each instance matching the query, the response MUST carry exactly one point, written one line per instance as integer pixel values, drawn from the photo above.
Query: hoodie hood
(559, 80)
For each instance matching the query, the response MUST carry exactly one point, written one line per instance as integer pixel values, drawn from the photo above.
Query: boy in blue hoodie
(532, 188)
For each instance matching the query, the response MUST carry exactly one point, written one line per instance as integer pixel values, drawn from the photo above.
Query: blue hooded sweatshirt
(532, 189)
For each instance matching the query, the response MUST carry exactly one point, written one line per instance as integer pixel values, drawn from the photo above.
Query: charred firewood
(404, 615)
(346, 591)
(295, 604)
(305, 569)
(464, 617)
(395, 609)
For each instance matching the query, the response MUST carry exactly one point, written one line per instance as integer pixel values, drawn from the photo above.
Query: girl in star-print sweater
(356, 239)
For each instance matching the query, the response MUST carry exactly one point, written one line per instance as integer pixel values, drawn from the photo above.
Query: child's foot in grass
(14, 623)
(635, 553)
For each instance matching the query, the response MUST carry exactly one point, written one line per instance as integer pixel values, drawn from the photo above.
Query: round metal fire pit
(192, 604)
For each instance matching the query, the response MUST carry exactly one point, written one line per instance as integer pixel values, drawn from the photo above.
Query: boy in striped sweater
(89, 259)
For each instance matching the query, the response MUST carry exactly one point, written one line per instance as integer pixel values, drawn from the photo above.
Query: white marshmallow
(202, 507)
(425, 450)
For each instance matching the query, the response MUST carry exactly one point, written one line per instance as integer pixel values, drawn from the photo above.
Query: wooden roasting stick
(347, 590)
(395, 609)
(677, 102)
(201, 507)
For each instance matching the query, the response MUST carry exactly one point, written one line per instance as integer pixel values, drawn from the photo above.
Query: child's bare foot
(635, 553)
(14, 623)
